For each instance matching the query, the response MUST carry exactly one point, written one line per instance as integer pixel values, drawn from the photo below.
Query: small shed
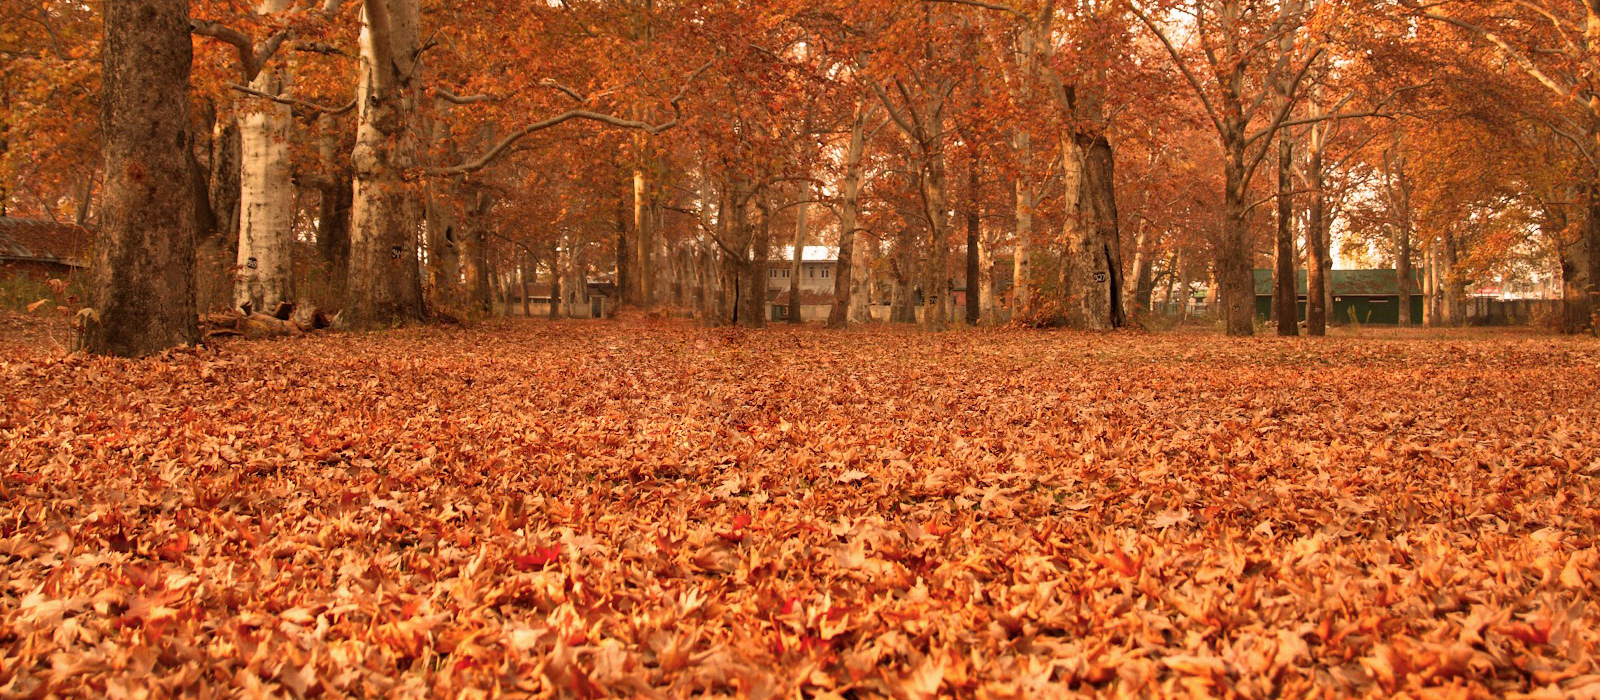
(1364, 296)
(42, 249)
(599, 299)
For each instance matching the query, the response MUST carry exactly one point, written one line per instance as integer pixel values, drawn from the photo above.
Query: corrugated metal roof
(1350, 283)
(27, 239)
(811, 253)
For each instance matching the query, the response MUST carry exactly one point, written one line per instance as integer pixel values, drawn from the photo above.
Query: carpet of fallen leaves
(651, 510)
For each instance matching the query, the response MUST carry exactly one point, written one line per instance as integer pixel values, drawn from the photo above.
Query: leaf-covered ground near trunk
(653, 510)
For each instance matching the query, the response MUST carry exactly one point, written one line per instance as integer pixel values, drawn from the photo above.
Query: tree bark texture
(141, 298)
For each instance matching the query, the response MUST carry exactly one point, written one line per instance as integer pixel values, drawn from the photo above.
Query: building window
(824, 273)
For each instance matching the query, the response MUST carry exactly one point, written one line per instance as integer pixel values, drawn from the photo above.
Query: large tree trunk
(265, 265)
(754, 284)
(385, 286)
(902, 303)
(1091, 280)
(141, 299)
(474, 236)
(1455, 287)
(1579, 257)
(1235, 253)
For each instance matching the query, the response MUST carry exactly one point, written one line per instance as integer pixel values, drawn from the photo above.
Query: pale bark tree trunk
(802, 220)
(849, 299)
(936, 292)
(988, 300)
(444, 228)
(1022, 257)
(1092, 281)
(265, 265)
(1143, 282)
(643, 241)
(385, 286)
(560, 264)
(141, 300)
(864, 279)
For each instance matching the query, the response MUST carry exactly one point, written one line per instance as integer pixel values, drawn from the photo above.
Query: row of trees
(399, 158)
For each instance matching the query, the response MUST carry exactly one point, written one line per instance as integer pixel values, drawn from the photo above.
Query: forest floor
(657, 510)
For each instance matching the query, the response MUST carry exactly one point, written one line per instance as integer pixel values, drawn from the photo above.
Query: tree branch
(294, 102)
(505, 144)
(1183, 67)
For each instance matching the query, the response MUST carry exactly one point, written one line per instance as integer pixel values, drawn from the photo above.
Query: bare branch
(1183, 67)
(505, 144)
(453, 98)
(986, 5)
(294, 102)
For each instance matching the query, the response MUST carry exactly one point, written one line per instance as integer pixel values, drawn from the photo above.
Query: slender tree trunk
(1316, 250)
(1185, 292)
(385, 286)
(1022, 256)
(850, 297)
(974, 235)
(1286, 301)
(141, 300)
(1402, 204)
(936, 291)
(847, 302)
(801, 222)
(1402, 270)
(560, 261)
(1142, 287)
(643, 240)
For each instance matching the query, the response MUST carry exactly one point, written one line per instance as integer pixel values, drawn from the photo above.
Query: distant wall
(1483, 311)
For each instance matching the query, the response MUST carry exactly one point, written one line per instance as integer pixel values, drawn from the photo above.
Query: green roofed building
(1365, 296)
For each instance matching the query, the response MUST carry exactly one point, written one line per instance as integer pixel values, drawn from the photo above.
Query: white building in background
(819, 265)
